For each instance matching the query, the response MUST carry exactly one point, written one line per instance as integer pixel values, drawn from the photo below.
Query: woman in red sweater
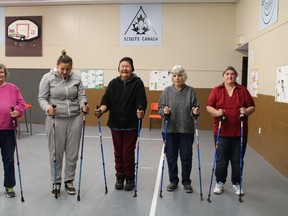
(230, 100)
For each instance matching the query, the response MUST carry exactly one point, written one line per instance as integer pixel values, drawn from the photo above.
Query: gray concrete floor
(265, 189)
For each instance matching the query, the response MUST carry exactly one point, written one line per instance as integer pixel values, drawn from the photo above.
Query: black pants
(178, 143)
(229, 150)
(7, 145)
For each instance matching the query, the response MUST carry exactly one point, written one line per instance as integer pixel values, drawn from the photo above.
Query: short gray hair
(5, 70)
(179, 70)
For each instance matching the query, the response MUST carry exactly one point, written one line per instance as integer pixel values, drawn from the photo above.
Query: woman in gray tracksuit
(63, 88)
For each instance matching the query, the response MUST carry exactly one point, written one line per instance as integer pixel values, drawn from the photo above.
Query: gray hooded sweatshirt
(67, 94)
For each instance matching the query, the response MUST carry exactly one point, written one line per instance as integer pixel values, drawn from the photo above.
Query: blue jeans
(229, 150)
(7, 145)
(182, 143)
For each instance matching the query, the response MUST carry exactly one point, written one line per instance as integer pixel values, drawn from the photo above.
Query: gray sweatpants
(67, 140)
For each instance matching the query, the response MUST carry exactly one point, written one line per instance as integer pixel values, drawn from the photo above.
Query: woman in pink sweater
(10, 96)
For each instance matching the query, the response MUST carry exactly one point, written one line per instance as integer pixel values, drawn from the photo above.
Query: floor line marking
(157, 184)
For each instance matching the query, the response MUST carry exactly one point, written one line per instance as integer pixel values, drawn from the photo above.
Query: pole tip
(201, 197)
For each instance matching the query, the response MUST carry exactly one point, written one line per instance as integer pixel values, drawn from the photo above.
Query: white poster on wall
(254, 79)
(92, 78)
(141, 25)
(268, 13)
(281, 94)
(159, 80)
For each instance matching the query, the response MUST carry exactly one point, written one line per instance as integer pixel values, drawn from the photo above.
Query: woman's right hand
(98, 112)
(166, 110)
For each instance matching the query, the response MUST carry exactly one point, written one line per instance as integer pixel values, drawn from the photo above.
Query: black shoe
(10, 192)
(188, 188)
(130, 184)
(172, 187)
(70, 188)
(119, 185)
(56, 188)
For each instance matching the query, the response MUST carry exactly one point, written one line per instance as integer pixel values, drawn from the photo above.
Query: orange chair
(154, 113)
(27, 106)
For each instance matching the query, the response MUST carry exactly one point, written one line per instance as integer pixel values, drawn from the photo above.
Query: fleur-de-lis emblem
(141, 25)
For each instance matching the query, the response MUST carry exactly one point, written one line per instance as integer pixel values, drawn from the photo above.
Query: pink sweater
(10, 95)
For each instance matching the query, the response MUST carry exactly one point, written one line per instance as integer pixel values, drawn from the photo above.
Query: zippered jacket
(67, 94)
(122, 99)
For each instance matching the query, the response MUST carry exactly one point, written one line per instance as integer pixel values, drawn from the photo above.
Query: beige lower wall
(271, 142)
(95, 95)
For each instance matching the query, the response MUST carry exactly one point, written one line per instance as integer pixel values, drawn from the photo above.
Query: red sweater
(219, 99)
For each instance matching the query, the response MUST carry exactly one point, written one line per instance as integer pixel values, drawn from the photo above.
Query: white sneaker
(219, 187)
(237, 190)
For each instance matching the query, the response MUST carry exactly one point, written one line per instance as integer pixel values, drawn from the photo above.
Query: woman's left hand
(195, 110)
(14, 114)
(140, 114)
(243, 110)
(85, 108)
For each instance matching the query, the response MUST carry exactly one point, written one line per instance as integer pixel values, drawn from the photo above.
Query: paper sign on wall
(92, 78)
(254, 79)
(281, 94)
(159, 80)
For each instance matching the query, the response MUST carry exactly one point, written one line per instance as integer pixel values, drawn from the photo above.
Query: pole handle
(13, 118)
(98, 107)
(196, 115)
(222, 117)
(167, 115)
(54, 107)
(242, 115)
(85, 103)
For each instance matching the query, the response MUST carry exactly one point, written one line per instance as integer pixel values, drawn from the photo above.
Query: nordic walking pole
(215, 155)
(54, 140)
(198, 151)
(82, 146)
(242, 116)
(17, 155)
(102, 152)
(163, 154)
(137, 157)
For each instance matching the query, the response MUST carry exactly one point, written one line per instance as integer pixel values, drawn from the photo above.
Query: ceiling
(17, 3)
